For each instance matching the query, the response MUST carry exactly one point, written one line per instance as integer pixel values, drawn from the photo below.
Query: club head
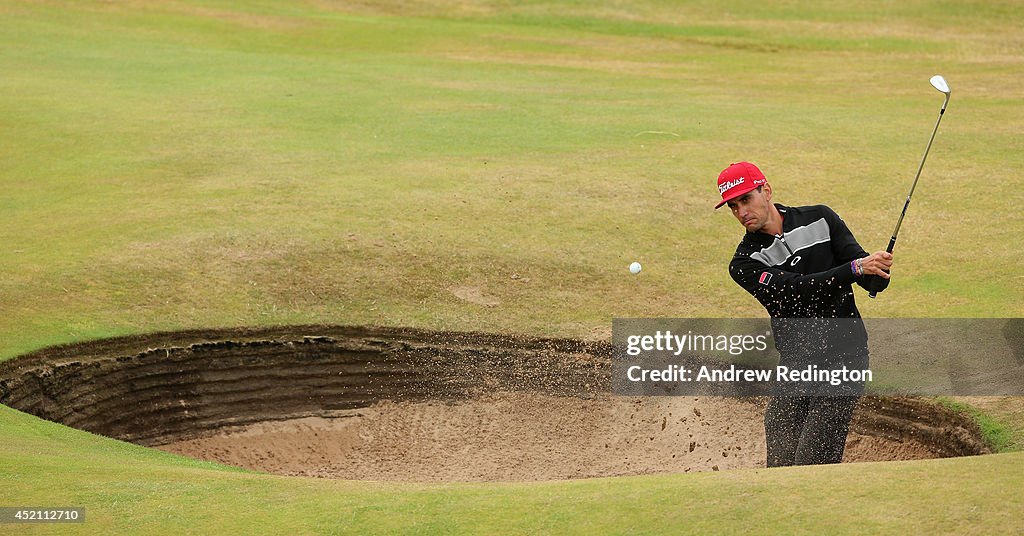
(939, 83)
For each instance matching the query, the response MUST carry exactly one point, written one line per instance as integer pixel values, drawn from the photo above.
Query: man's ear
(768, 192)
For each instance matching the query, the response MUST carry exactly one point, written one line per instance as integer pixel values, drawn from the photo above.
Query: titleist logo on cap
(729, 184)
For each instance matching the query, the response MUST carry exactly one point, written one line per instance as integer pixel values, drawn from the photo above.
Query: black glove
(875, 283)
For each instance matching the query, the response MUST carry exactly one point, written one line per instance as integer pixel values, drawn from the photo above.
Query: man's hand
(876, 271)
(878, 263)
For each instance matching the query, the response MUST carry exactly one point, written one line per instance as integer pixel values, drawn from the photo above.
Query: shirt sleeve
(844, 246)
(774, 287)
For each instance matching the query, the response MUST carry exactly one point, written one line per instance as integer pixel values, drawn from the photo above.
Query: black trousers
(807, 430)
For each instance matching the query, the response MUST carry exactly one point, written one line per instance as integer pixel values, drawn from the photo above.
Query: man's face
(752, 208)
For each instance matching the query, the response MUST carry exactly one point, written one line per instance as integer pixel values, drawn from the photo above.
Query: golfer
(800, 263)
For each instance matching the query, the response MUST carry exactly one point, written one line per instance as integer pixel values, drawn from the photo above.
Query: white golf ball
(634, 268)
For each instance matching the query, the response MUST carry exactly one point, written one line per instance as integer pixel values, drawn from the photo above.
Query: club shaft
(903, 213)
(906, 204)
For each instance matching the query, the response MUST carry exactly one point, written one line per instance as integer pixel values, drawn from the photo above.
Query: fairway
(490, 168)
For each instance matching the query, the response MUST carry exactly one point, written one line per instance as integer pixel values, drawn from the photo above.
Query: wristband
(860, 265)
(853, 268)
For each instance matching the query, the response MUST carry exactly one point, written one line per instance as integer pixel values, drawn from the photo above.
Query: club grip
(876, 283)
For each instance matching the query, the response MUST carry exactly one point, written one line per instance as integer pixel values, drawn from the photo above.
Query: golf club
(877, 284)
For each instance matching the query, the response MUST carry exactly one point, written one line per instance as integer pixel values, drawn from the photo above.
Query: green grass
(1001, 426)
(181, 164)
(174, 165)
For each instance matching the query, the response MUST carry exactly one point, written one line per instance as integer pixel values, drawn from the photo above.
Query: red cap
(738, 179)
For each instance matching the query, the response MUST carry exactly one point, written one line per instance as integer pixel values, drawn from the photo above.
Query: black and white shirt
(805, 272)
